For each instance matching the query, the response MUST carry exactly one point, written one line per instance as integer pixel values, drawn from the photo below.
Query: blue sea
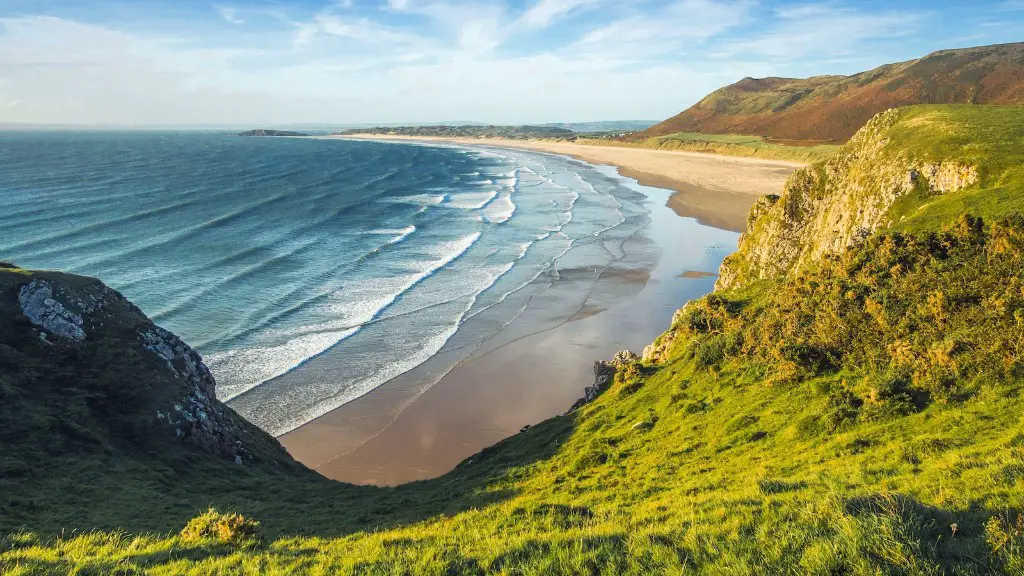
(308, 272)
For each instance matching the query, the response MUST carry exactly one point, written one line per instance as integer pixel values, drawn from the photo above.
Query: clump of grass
(1004, 534)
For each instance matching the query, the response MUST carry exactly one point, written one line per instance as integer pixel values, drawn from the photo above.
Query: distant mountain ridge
(604, 126)
(830, 109)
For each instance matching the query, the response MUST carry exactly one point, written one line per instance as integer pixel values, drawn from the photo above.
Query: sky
(278, 62)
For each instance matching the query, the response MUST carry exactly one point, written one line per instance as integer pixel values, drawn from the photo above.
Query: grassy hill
(858, 411)
(830, 109)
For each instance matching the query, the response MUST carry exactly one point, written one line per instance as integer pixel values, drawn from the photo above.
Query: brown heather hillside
(829, 109)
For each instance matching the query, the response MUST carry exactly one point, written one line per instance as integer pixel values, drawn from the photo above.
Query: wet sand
(716, 190)
(534, 369)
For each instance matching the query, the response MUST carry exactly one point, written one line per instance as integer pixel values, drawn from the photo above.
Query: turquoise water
(265, 254)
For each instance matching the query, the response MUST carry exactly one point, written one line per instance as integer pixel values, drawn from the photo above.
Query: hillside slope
(830, 109)
(861, 414)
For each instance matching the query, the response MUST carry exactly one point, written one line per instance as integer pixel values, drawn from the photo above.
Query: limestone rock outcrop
(40, 306)
(604, 373)
(827, 207)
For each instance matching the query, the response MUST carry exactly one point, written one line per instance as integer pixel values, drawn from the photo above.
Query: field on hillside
(991, 137)
(727, 144)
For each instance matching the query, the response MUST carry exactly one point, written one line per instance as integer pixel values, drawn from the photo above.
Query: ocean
(308, 272)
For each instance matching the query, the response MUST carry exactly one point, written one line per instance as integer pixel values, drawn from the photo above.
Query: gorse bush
(229, 528)
(920, 318)
(1004, 534)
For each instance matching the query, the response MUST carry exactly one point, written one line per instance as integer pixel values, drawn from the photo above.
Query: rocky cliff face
(829, 206)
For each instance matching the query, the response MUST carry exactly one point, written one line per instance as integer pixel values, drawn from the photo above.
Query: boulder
(604, 373)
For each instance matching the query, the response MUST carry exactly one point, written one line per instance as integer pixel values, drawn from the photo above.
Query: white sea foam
(500, 210)
(420, 199)
(399, 235)
(404, 355)
(241, 369)
(402, 232)
(471, 201)
(353, 304)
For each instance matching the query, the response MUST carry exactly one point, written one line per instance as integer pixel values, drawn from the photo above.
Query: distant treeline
(513, 132)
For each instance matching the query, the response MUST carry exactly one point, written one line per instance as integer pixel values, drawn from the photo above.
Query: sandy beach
(716, 190)
(405, 431)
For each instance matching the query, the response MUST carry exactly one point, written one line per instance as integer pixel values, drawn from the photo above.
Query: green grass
(730, 145)
(990, 137)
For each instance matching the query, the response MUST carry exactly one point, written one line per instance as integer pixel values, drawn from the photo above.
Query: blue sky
(271, 62)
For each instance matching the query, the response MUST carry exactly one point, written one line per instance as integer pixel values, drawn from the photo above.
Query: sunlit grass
(728, 144)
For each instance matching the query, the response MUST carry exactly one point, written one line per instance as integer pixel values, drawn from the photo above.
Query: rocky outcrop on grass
(830, 206)
(151, 387)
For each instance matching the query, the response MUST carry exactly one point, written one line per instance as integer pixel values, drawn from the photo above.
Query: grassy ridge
(862, 417)
(990, 137)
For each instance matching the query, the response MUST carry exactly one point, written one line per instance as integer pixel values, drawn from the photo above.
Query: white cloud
(682, 26)
(229, 15)
(545, 12)
(425, 60)
(822, 32)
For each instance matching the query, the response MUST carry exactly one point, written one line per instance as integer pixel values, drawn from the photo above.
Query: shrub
(226, 528)
(710, 351)
(888, 396)
(842, 406)
(811, 360)
(809, 427)
(628, 372)
(942, 310)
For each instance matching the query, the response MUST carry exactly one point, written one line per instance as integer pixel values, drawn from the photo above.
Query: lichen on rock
(198, 417)
(42, 309)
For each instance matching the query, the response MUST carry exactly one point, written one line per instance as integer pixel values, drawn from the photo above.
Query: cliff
(89, 386)
(830, 109)
(904, 167)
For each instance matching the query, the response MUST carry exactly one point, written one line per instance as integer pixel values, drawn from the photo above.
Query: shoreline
(405, 431)
(716, 190)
